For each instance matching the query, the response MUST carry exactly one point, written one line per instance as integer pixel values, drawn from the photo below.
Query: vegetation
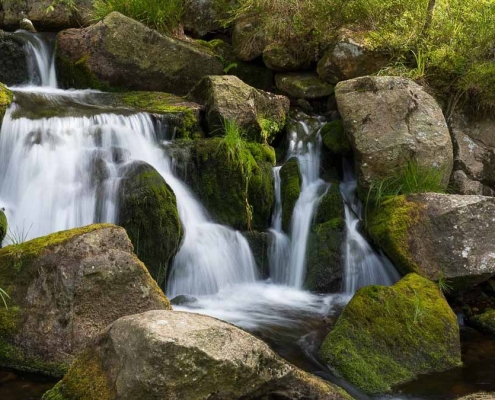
(162, 15)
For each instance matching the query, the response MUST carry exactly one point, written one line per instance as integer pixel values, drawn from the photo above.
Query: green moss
(387, 336)
(334, 138)
(485, 322)
(290, 181)
(6, 97)
(3, 225)
(222, 182)
(388, 226)
(78, 75)
(148, 212)
(85, 380)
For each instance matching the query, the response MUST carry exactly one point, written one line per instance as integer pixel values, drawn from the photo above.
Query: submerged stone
(182, 300)
(438, 236)
(122, 53)
(389, 335)
(64, 288)
(178, 355)
(335, 139)
(148, 212)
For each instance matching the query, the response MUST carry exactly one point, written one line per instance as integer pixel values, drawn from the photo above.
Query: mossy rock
(334, 138)
(290, 188)
(4, 226)
(325, 259)
(485, 322)
(260, 115)
(389, 335)
(148, 212)
(6, 97)
(259, 242)
(221, 183)
(303, 85)
(63, 289)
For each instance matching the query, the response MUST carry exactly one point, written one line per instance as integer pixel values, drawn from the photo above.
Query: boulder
(201, 17)
(335, 139)
(290, 189)
(485, 322)
(391, 121)
(474, 154)
(13, 63)
(122, 53)
(148, 212)
(4, 226)
(248, 39)
(261, 115)
(439, 236)
(389, 335)
(324, 266)
(350, 58)
(278, 57)
(463, 184)
(64, 288)
(177, 355)
(64, 15)
(6, 97)
(243, 203)
(303, 85)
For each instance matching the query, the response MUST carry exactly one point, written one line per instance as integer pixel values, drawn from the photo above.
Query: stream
(54, 159)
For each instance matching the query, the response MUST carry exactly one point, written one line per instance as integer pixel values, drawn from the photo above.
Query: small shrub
(162, 15)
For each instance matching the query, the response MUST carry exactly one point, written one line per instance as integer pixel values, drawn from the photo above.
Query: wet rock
(64, 288)
(13, 63)
(391, 121)
(474, 154)
(63, 15)
(350, 58)
(439, 236)
(335, 139)
(303, 85)
(27, 25)
(485, 322)
(259, 242)
(6, 97)
(389, 335)
(183, 300)
(148, 211)
(4, 226)
(290, 189)
(260, 114)
(123, 53)
(325, 244)
(278, 57)
(177, 355)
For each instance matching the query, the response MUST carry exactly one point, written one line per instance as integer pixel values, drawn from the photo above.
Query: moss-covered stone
(290, 188)
(334, 138)
(148, 212)
(3, 226)
(221, 183)
(303, 85)
(259, 242)
(325, 260)
(6, 98)
(389, 335)
(485, 322)
(261, 115)
(64, 288)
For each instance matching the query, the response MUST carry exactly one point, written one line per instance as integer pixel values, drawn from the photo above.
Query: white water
(363, 265)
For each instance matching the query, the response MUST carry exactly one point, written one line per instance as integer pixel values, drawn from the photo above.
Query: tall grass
(4, 296)
(408, 180)
(162, 15)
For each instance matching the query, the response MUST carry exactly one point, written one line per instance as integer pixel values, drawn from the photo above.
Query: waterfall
(363, 265)
(41, 62)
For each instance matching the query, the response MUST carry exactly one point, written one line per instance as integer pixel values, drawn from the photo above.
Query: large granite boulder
(261, 115)
(474, 155)
(148, 212)
(389, 335)
(123, 53)
(6, 97)
(176, 355)
(13, 63)
(63, 15)
(391, 121)
(64, 288)
(350, 58)
(438, 236)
